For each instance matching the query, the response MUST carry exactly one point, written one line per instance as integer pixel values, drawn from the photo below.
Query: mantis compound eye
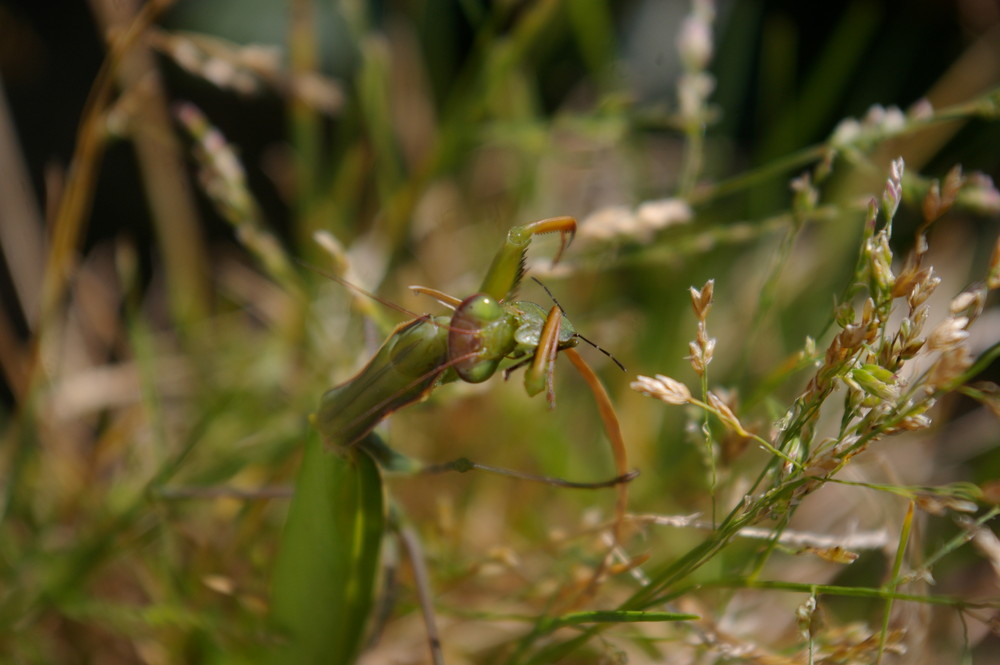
(481, 335)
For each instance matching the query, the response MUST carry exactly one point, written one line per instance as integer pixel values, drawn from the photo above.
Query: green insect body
(531, 335)
(529, 331)
(326, 571)
(403, 371)
(427, 351)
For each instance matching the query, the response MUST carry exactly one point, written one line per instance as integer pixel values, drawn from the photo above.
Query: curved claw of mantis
(484, 330)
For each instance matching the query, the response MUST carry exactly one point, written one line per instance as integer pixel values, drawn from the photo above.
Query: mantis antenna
(576, 334)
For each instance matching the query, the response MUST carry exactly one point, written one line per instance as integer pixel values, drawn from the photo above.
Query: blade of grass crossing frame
(897, 565)
(324, 577)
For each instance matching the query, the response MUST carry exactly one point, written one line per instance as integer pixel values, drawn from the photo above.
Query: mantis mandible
(343, 487)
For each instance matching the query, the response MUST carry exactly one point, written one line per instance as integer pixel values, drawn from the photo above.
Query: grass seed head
(993, 274)
(948, 334)
(969, 303)
(952, 363)
(662, 388)
(701, 299)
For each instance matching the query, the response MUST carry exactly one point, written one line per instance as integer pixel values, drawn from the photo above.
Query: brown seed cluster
(702, 348)
(870, 357)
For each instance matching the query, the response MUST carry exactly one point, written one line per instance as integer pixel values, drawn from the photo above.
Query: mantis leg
(451, 302)
(539, 373)
(464, 465)
(612, 429)
(508, 265)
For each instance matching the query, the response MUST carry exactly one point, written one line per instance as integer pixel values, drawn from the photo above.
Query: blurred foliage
(161, 347)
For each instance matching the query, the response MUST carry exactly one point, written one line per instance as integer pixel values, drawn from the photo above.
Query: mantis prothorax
(336, 518)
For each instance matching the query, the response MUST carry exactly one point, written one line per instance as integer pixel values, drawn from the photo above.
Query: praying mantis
(326, 569)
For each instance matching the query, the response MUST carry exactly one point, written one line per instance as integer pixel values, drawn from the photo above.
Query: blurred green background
(184, 352)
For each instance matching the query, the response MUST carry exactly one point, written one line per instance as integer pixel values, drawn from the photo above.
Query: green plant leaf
(324, 578)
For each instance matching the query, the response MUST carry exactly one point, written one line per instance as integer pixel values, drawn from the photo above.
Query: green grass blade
(325, 573)
(904, 538)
